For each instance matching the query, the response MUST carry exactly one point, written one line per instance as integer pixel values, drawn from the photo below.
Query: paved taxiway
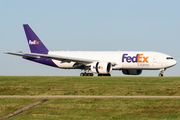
(80, 96)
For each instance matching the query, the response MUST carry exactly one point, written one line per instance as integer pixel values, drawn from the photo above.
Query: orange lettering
(139, 57)
(100, 67)
(36, 42)
(145, 59)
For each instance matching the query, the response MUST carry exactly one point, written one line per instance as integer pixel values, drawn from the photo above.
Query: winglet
(35, 44)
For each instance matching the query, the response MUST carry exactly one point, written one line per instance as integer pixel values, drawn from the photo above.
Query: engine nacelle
(132, 72)
(101, 67)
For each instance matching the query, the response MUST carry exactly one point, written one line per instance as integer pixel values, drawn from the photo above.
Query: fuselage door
(155, 59)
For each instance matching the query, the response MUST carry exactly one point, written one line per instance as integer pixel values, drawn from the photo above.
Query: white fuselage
(120, 59)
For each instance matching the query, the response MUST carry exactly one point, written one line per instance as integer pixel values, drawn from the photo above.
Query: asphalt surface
(80, 96)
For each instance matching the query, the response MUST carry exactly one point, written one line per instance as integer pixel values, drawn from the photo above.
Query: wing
(54, 57)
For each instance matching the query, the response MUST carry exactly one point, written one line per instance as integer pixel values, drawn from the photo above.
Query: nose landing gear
(160, 75)
(161, 72)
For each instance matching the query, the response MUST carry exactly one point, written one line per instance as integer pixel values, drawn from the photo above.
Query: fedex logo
(100, 67)
(139, 58)
(35, 42)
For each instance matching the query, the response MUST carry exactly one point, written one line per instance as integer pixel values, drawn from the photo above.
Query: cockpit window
(168, 58)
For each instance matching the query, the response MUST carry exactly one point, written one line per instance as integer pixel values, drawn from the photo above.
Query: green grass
(169, 86)
(94, 108)
(9, 105)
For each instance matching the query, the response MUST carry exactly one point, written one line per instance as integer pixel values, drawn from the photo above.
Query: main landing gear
(86, 74)
(91, 74)
(161, 72)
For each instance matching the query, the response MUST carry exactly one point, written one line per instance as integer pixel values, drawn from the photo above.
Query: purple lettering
(123, 57)
(128, 59)
(134, 59)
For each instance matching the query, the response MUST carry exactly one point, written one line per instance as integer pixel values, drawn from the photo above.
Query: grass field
(92, 108)
(167, 86)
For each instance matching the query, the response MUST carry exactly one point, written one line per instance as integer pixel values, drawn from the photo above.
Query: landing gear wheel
(86, 74)
(160, 75)
(99, 74)
(104, 74)
(81, 74)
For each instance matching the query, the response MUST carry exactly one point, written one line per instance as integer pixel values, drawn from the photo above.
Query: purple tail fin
(35, 44)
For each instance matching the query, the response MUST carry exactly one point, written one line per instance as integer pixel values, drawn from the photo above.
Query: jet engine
(132, 72)
(101, 67)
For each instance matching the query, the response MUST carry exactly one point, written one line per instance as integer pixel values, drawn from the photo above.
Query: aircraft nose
(171, 63)
(174, 62)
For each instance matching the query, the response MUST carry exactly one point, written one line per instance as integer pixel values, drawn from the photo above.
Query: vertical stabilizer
(35, 44)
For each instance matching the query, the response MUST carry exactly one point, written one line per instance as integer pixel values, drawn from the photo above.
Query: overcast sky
(88, 25)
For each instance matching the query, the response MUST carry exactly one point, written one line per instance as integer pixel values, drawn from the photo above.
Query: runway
(81, 96)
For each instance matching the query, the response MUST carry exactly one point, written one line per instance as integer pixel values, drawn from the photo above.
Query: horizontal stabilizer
(22, 55)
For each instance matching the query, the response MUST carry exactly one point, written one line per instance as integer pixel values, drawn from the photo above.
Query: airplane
(95, 62)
